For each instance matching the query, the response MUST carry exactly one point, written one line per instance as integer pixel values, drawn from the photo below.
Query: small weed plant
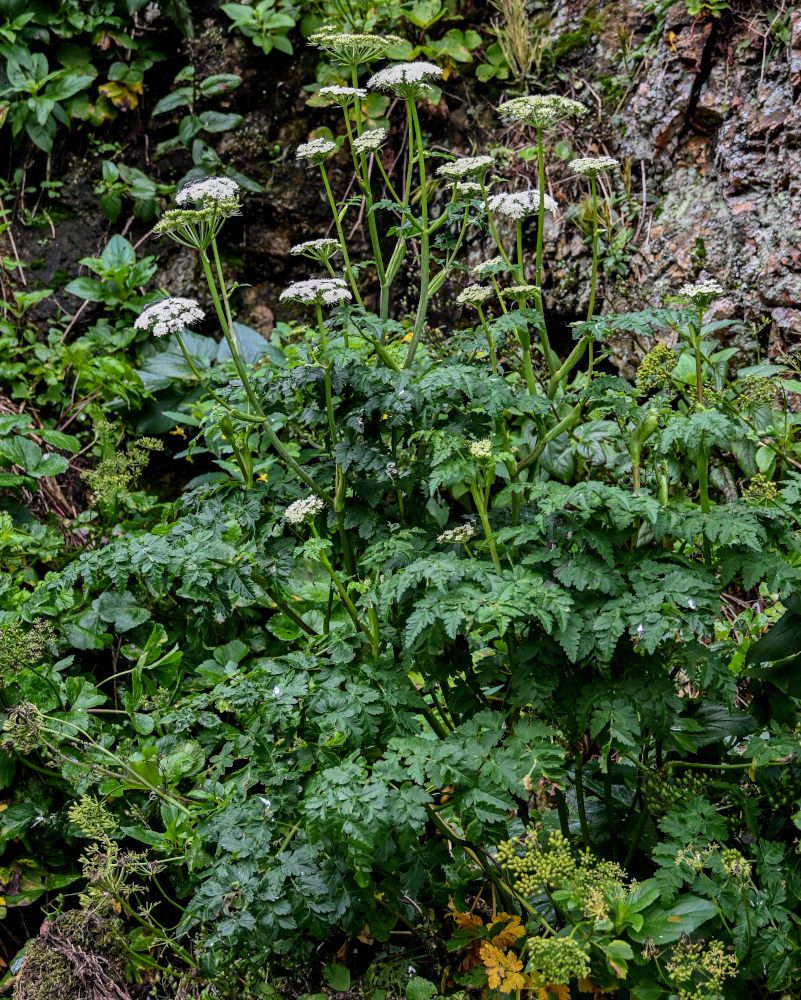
(465, 633)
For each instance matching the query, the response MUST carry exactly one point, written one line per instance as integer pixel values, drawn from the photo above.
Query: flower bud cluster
(22, 727)
(91, 817)
(542, 110)
(169, 316)
(371, 140)
(519, 204)
(321, 249)
(353, 48)
(482, 450)
(702, 292)
(591, 166)
(700, 968)
(761, 491)
(465, 166)
(407, 80)
(327, 291)
(474, 295)
(655, 368)
(316, 151)
(558, 959)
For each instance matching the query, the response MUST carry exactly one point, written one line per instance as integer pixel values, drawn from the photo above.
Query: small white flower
(702, 292)
(342, 95)
(519, 204)
(169, 316)
(276, 691)
(304, 509)
(520, 291)
(266, 803)
(406, 79)
(492, 266)
(317, 249)
(691, 604)
(315, 151)
(461, 534)
(329, 291)
(482, 450)
(371, 140)
(213, 191)
(474, 295)
(542, 110)
(465, 166)
(591, 166)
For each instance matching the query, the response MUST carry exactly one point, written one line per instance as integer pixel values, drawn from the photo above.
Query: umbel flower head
(591, 166)
(220, 193)
(169, 316)
(482, 450)
(465, 166)
(407, 80)
(304, 509)
(702, 292)
(326, 291)
(194, 227)
(315, 151)
(342, 95)
(521, 291)
(371, 140)
(322, 249)
(474, 295)
(22, 728)
(462, 190)
(519, 204)
(461, 534)
(541, 111)
(495, 265)
(351, 48)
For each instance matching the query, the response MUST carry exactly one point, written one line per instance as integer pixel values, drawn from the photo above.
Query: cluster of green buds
(700, 968)
(557, 959)
(20, 647)
(786, 793)
(22, 728)
(540, 867)
(756, 392)
(761, 491)
(92, 818)
(656, 367)
(663, 791)
(735, 865)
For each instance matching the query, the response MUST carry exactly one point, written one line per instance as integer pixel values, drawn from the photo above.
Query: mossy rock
(77, 956)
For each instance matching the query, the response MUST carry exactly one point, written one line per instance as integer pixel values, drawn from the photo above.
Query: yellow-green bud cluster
(654, 372)
(91, 817)
(756, 392)
(663, 791)
(20, 648)
(735, 865)
(557, 959)
(761, 491)
(699, 969)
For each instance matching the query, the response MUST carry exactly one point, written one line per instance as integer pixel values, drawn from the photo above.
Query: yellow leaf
(121, 95)
(559, 990)
(507, 937)
(503, 969)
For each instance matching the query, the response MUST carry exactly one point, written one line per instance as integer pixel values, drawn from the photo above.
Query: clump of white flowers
(466, 189)
(321, 249)
(482, 450)
(542, 110)
(465, 166)
(702, 292)
(591, 166)
(491, 266)
(371, 140)
(315, 151)
(461, 534)
(342, 95)
(328, 291)
(407, 80)
(519, 204)
(169, 316)
(304, 509)
(221, 193)
(474, 295)
(353, 48)
(521, 291)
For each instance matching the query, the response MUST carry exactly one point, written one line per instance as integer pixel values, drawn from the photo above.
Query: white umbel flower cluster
(342, 95)
(328, 291)
(169, 316)
(317, 249)
(466, 189)
(304, 509)
(591, 166)
(405, 79)
(371, 140)
(702, 292)
(315, 151)
(461, 534)
(352, 48)
(211, 192)
(482, 450)
(474, 295)
(491, 266)
(465, 166)
(542, 110)
(520, 291)
(519, 204)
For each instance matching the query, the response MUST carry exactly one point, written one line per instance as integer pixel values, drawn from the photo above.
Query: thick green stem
(594, 278)
(425, 262)
(341, 237)
(481, 507)
(490, 344)
(566, 424)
